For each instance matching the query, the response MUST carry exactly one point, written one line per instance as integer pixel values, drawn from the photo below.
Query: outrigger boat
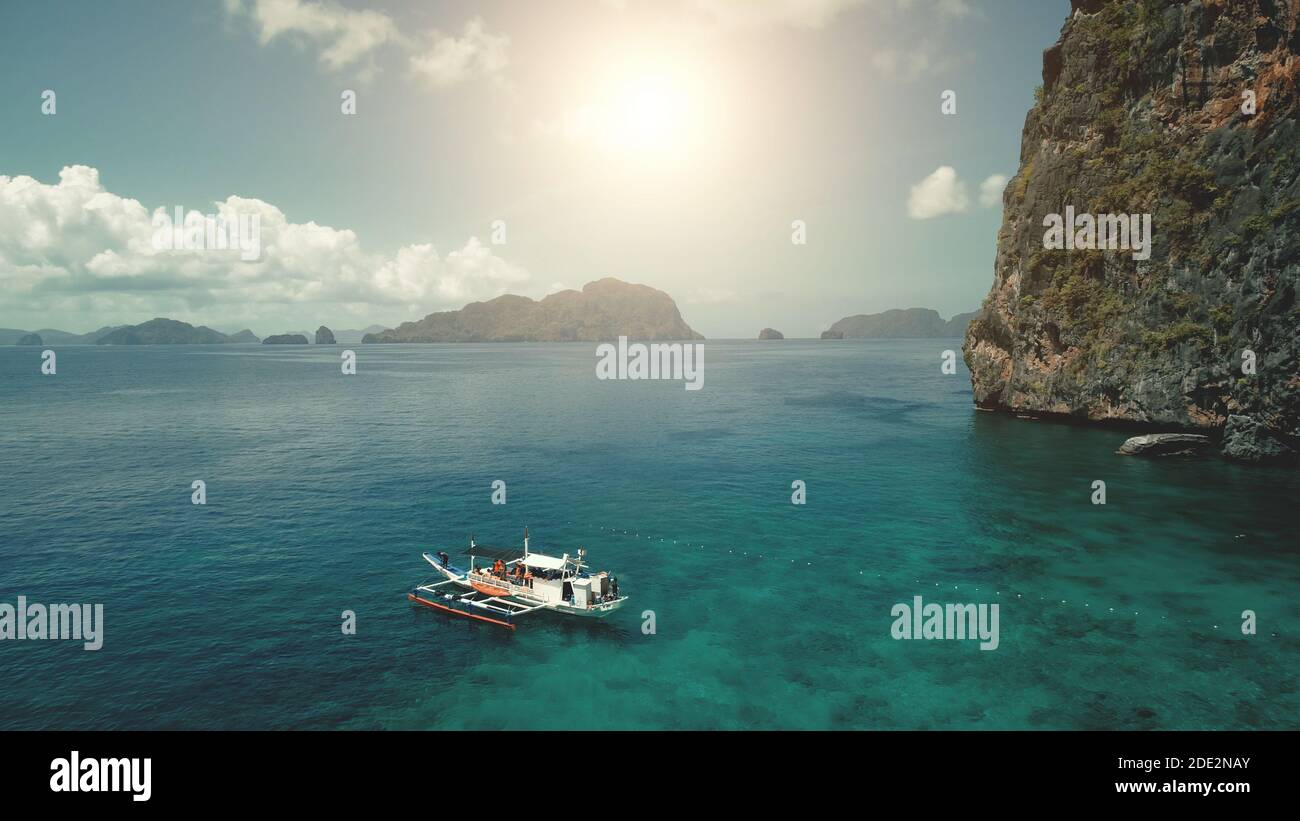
(518, 582)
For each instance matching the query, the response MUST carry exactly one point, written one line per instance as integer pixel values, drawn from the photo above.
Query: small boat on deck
(517, 582)
(489, 589)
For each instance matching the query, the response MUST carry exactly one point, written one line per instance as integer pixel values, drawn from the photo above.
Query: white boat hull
(596, 611)
(522, 595)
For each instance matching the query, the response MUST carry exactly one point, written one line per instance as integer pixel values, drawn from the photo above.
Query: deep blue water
(323, 489)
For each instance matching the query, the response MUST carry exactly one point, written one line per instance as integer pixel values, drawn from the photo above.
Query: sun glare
(644, 111)
(650, 114)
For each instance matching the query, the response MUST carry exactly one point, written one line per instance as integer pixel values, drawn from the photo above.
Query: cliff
(1187, 112)
(960, 323)
(602, 311)
(286, 339)
(324, 336)
(770, 333)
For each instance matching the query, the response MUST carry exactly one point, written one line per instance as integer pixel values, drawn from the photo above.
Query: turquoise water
(323, 489)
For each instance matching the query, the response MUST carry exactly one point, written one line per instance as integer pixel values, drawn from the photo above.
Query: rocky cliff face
(600, 312)
(958, 325)
(1144, 110)
(324, 336)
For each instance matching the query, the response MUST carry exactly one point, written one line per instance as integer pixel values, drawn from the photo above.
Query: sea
(1172, 605)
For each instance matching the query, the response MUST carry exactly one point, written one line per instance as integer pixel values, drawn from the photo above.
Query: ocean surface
(324, 489)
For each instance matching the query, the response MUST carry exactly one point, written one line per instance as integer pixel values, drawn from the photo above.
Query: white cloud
(449, 60)
(921, 59)
(342, 35)
(908, 64)
(345, 36)
(74, 246)
(951, 9)
(991, 190)
(808, 14)
(938, 194)
(811, 14)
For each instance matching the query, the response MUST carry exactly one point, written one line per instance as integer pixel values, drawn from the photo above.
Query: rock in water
(30, 339)
(1141, 113)
(770, 333)
(1165, 444)
(1248, 440)
(286, 339)
(244, 336)
(324, 336)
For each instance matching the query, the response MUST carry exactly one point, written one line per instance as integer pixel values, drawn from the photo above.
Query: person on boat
(613, 585)
(528, 578)
(499, 568)
(444, 558)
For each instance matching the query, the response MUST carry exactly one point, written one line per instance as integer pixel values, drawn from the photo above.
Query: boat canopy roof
(544, 562)
(505, 554)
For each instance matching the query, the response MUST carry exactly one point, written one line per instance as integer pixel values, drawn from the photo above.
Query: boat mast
(525, 541)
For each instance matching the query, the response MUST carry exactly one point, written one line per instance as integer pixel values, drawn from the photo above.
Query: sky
(767, 163)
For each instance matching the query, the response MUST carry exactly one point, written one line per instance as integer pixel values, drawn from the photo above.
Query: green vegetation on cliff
(1143, 110)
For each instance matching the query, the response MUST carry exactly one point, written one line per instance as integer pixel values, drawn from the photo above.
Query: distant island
(770, 333)
(900, 323)
(601, 311)
(347, 336)
(162, 331)
(53, 336)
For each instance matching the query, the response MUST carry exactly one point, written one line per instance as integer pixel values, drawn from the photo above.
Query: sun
(651, 114)
(643, 110)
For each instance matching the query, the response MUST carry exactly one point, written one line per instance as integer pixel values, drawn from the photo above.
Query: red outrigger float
(444, 608)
